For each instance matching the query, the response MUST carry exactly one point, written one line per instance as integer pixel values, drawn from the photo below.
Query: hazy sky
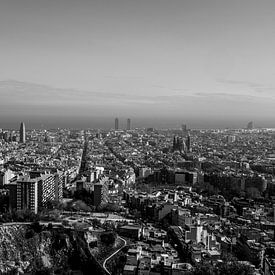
(205, 63)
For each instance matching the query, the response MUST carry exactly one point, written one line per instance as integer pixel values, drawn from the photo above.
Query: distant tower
(22, 133)
(178, 144)
(188, 144)
(6, 136)
(128, 124)
(174, 143)
(184, 129)
(249, 125)
(116, 124)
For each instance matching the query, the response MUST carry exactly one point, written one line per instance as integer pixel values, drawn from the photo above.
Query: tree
(36, 227)
(108, 238)
(109, 207)
(43, 271)
(50, 226)
(235, 268)
(96, 223)
(29, 234)
(224, 268)
(108, 226)
(84, 196)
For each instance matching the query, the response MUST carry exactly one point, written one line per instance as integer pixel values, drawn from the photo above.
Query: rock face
(32, 249)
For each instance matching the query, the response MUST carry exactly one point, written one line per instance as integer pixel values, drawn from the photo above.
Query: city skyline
(137, 137)
(22, 132)
(209, 63)
(125, 126)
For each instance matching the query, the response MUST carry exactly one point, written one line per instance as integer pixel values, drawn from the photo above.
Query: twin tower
(128, 126)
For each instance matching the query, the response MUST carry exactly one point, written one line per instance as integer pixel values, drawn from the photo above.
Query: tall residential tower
(249, 125)
(128, 124)
(22, 133)
(116, 124)
(189, 144)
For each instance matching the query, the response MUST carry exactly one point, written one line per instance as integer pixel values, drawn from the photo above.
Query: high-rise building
(184, 128)
(12, 187)
(46, 190)
(116, 124)
(22, 133)
(178, 144)
(35, 191)
(5, 176)
(59, 178)
(188, 144)
(27, 194)
(249, 125)
(128, 124)
(50, 187)
(6, 136)
(100, 193)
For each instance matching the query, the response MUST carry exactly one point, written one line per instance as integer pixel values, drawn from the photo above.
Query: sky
(206, 63)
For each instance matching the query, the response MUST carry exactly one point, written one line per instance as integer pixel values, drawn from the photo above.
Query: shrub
(108, 238)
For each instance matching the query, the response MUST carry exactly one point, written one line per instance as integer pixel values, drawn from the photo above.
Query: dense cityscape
(137, 137)
(137, 201)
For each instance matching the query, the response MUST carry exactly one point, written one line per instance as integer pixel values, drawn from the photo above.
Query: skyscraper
(116, 124)
(100, 193)
(249, 125)
(27, 194)
(178, 144)
(188, 144)
(184, 129)
(128, 124)
(22, 133)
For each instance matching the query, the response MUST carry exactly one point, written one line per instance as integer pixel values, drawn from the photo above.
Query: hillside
(36, 250)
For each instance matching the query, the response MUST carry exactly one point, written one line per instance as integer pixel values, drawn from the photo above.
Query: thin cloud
(239, 82)
(26, 92)
(266, 91)
(228, 97)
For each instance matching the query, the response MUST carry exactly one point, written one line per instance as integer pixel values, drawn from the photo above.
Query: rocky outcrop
(24, 249)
